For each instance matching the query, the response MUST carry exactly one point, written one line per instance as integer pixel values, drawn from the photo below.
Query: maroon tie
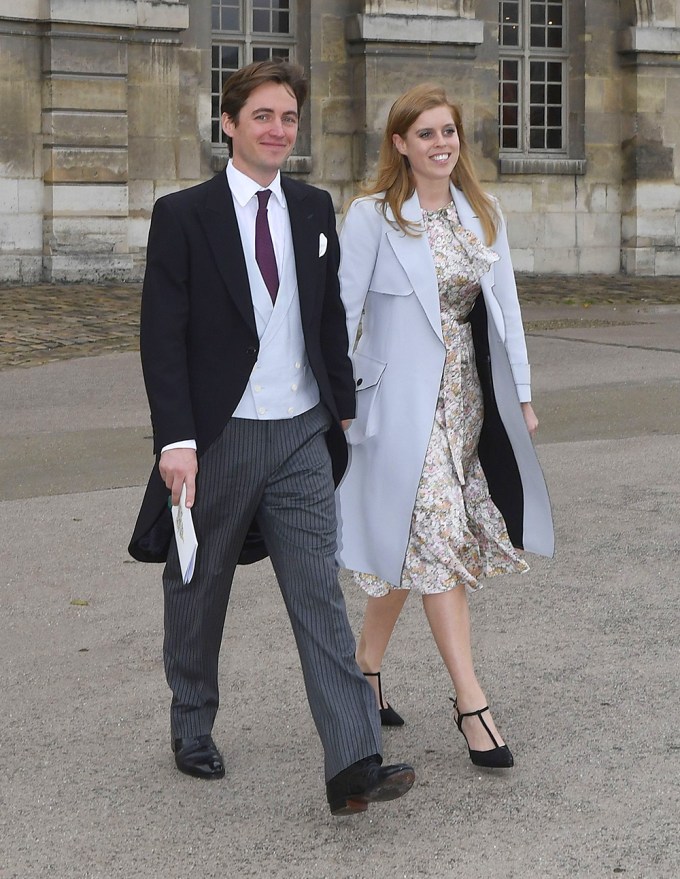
(264, 248)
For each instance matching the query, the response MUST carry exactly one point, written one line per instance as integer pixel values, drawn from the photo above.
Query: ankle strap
(459, 719)
(376, 674)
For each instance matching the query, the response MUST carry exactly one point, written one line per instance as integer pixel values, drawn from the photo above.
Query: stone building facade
(573, 108)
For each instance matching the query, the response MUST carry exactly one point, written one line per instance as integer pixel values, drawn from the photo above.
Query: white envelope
(185, 536)
(323, 244)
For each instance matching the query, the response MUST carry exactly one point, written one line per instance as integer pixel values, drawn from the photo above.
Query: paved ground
(579, 657)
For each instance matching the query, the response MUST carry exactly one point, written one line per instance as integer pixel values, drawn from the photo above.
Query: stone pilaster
(21, 188)
(395, 44)
(650, 54)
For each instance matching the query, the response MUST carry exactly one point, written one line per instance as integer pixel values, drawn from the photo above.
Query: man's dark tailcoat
(199, 339)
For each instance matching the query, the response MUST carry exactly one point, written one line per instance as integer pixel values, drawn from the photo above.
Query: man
(244, 351)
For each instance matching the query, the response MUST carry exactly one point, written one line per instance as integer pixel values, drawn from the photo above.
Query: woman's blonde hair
(394, 178)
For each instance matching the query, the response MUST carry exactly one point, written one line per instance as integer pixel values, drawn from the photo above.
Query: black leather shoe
(198, 757)
(367, 782)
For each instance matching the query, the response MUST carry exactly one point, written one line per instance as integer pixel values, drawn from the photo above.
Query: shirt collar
(243, 188)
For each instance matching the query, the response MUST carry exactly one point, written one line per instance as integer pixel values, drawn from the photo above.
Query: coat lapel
(305, 234)
(218, 219)
(413, 252)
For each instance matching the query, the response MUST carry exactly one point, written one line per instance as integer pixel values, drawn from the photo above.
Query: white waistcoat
(281, 384)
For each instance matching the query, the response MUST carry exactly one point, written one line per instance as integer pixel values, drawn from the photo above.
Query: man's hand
(345, 423)
(530, 418)
(179, 467)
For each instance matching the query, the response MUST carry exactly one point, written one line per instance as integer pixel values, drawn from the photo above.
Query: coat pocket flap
(367, 371)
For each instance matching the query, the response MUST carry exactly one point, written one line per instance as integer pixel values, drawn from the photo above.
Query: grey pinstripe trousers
(280, 472)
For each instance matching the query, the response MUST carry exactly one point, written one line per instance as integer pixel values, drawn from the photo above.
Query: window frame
(246, 42)
(570, 157)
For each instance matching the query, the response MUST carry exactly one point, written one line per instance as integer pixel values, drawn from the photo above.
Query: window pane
(537, 71)
(509, 69)
(509, 93)
(262, 21)
(230, 20)
(537, 93)
(555, 13)
(554, 70)
(554, 117)
(554, 38)
(554, 94)
(537, 37)
(538, 13)
(229, 56)
(554, 139)
(537, 116)
(281, 23)
(509, 11)
(510, 117)
(536, 139)
(509, 35)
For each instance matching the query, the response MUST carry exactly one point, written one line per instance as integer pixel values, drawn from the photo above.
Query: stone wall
(106, 106)
(97, 120)
(21, 187)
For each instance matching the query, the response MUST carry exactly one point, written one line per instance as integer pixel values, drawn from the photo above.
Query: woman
(414, 509)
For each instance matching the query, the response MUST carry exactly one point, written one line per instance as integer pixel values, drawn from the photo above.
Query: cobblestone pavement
(49, 322)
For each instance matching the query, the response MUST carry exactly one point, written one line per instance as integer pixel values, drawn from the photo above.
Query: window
(244, 31)
(533, 78)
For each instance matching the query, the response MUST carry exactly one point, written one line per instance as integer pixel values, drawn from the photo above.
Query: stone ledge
(294, 165)
(433, 29)
(156, 14)
(535, 165)
(650, 41)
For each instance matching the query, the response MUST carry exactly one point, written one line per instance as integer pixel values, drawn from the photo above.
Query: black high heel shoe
(499, 757)
(388, 716)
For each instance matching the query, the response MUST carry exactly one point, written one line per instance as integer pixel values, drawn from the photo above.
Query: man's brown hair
(239, 85)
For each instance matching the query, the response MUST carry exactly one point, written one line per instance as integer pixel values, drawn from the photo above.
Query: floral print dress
(458, 536)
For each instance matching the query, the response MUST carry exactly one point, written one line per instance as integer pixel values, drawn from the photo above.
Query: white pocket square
(323, 244)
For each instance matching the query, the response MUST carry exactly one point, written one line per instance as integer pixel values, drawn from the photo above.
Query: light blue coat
(398, 364)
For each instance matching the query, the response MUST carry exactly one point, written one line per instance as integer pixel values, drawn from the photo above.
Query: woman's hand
(530, 418)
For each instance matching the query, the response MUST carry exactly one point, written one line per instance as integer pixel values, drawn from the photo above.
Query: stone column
(650, 53)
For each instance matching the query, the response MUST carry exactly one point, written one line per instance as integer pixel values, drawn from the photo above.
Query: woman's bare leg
(448, 614)
(380, 617)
